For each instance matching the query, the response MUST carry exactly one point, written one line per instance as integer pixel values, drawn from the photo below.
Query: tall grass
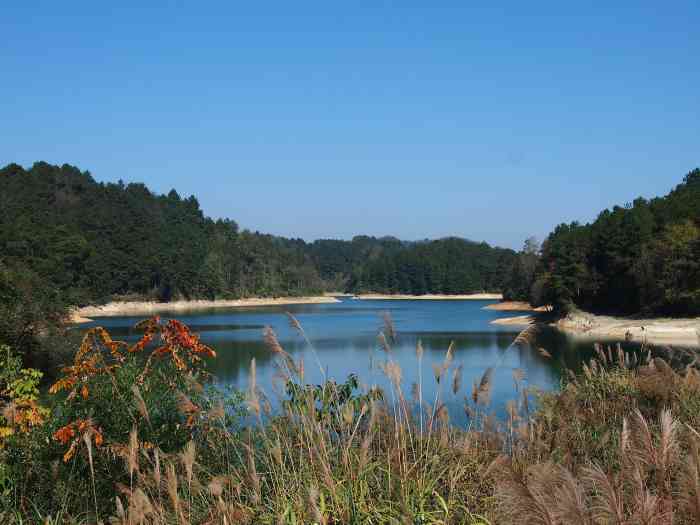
(618, 444)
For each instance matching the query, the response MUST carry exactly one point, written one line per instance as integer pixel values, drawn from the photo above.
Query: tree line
(96, 241)
(643, 257)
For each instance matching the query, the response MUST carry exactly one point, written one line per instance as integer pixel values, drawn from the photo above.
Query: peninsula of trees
(643, 257)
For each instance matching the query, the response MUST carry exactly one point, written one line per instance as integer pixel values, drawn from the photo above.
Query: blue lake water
(344, 336)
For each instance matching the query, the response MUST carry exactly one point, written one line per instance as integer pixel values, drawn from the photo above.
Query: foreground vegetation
(134, 433)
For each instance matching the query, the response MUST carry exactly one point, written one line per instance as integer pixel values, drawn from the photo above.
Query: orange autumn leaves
(73, 432)
(178, 343)
(89, 361)
(100, 355)
(23, 415)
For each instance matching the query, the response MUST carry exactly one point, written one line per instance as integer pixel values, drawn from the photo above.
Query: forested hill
(448, 266)
(93, 241)
(641, 257)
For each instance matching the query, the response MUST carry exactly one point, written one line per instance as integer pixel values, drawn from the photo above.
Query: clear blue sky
(330, 119)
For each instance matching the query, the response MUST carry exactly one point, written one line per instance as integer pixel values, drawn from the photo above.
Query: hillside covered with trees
(95, 241)
(643, 257)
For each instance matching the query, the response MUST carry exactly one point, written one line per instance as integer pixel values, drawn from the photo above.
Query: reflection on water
(344, 336)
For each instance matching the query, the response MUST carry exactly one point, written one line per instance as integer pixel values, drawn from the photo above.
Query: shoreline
(518, 320)
(119, 308)
(515, 306)
(585, 326)
(431, 297)
(659, 330)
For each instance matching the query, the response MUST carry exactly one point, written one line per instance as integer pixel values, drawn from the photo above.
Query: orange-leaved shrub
(112, 391)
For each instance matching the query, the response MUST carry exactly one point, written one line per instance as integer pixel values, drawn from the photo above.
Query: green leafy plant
(329, 398)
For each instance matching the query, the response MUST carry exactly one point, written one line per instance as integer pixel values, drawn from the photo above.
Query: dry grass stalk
(216, 486)
(389, 328)
(384, 342)
(313, 505)
(274, 346)
(437, 372)
(457, 379)
(252, 398)
(296, 325)
(252, 473)
(188, 460)
(525, 336)
(185, 405)
(544, 353)
(271, 341)
(140, 403)
(528, 498)
(689, 485)
(482, 392)
(393, 372)
(171, 480)
(419, 350)
(607, 504)
(87, 439)
(132, 459)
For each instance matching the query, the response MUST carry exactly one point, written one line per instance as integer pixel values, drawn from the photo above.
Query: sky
(491, 121)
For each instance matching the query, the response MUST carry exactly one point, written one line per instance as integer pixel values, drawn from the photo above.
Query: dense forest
(94, 241)
(88, 242)
(643, 257)
(448, 266)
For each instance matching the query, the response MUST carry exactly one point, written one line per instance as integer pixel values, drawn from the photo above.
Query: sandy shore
(432, 297)
(75, 318)
(145, 308)
(518, 320)
(599, 328)
(515, 306)
(685, 332)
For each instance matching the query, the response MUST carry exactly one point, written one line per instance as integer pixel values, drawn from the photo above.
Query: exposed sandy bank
(518, 320)
(515, 306)
(148, 308)
(659, 331)
(75, 318)
(433, 297)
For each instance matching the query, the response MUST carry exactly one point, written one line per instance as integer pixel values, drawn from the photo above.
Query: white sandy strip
(676, 331)
(590, 327)
(433, 297)
(84, 314)
(519, 320)
(515, 306)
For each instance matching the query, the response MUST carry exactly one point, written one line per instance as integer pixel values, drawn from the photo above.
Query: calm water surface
(344, 336)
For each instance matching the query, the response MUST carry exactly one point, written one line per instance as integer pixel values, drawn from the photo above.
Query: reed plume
(544, 353)
(457, 379)
(274, 346)
(525, 336)
(140, 403)
(171, 481)
(689, 485)
(389, 328)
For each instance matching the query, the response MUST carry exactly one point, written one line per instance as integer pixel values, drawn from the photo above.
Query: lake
(344, 336)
